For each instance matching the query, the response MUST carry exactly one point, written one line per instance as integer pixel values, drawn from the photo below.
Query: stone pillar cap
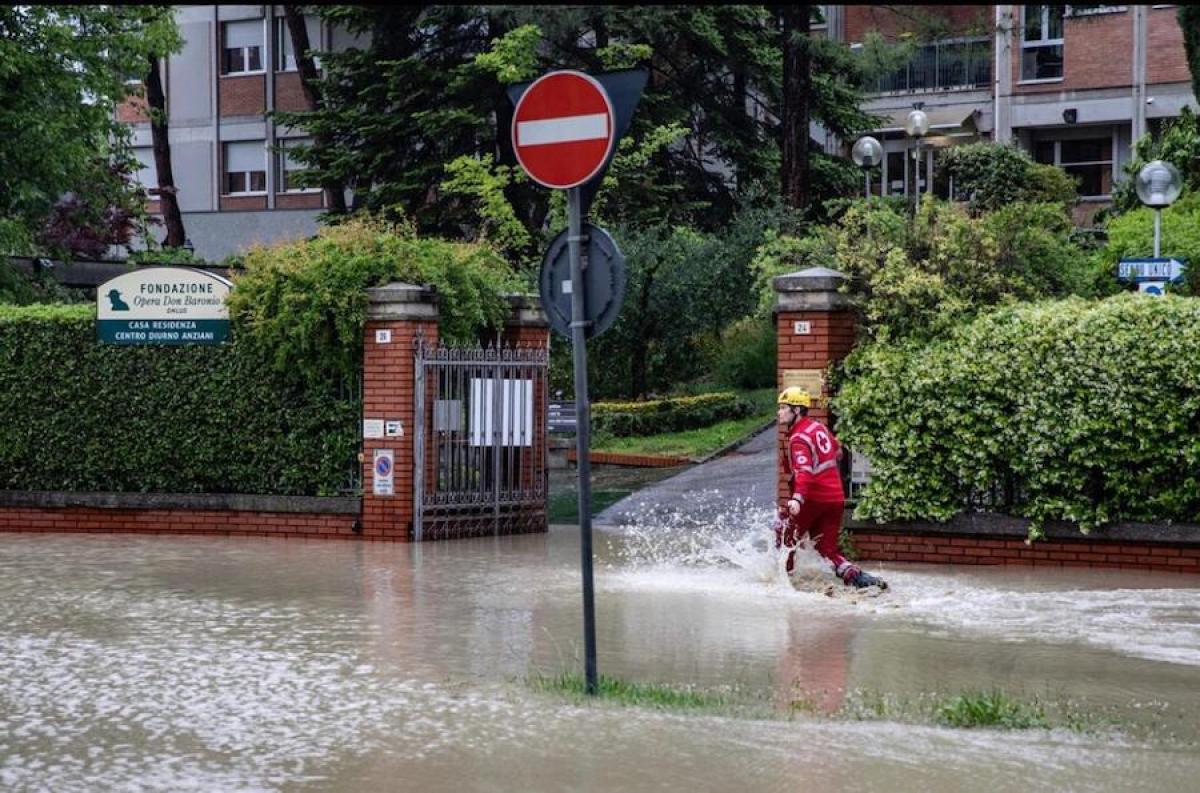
(813, 279)
(814, 289)
(526, 310)
(402, 301)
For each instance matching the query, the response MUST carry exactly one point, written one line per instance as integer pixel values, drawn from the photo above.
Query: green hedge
(655, 416)
(78, 415)
(1075, 410)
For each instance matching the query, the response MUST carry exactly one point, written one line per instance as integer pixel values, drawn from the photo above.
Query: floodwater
(203, 664)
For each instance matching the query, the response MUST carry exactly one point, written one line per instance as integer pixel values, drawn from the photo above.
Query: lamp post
(1158, 185)
(867, 153)
(917, 127)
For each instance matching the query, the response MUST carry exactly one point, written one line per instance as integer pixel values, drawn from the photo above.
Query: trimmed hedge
(78, 415)
(655, 416)
(1075, 410)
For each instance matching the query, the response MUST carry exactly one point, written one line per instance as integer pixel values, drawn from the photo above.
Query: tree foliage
(64, 158)
(426, 87)
(303, 304)
(919, 277)
(995, 176)
(1179, 144)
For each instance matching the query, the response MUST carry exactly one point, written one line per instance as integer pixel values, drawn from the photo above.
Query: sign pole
(1157, 231)
(575, 239)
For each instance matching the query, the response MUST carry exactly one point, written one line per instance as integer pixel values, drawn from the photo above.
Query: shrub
(996, 175)
(1179, 144)
(919, 277)
(303, 305)
(655, 416)
(1073, 410)
(745, 356)
(1132, 235)
(79, 415)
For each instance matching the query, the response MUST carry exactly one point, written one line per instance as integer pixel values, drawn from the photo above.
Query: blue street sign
(1164, 269)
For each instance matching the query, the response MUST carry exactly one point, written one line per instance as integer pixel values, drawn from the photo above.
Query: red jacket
(812, 460)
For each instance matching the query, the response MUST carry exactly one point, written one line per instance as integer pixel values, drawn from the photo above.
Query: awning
(943, 119)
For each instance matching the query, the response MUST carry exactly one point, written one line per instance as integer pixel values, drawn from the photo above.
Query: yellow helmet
(794, 396)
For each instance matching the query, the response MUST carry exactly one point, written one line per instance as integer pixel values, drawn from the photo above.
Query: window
(1089, 160)
(146, 174)
(243, 46)
(245, 168)
(285, 55)
(1042, 43)
(287, 168)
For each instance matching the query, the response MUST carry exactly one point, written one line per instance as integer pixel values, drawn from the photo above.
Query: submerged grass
(658, 696)
(973, 709)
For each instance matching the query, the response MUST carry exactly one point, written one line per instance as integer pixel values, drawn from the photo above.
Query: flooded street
(159, 663)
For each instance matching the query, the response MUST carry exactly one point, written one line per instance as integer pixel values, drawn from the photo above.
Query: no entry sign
(563, 129)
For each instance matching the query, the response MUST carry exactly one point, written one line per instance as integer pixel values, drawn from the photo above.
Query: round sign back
(562, 129)
(604, 282)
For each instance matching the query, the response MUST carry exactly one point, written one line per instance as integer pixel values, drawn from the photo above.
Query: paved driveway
(744, 476)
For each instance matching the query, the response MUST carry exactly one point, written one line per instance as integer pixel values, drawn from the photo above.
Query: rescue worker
(817, 500)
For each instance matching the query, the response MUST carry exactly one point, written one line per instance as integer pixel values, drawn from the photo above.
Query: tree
(797, 90)
(63, 69)
(335, 191)
(156, 100)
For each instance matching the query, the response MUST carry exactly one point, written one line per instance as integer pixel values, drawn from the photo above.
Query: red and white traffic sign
(562, 129)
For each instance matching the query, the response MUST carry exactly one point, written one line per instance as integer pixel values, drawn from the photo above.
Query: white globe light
(867, 153)
(1158, 184)
(917, 124)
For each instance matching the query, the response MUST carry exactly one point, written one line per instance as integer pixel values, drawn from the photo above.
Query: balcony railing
(943, 66)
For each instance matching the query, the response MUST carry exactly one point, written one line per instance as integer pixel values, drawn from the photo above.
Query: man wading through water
(817, 501)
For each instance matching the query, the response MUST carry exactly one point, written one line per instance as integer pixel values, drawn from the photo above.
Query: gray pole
(575, 239)
(1157, 232)
(866, 183)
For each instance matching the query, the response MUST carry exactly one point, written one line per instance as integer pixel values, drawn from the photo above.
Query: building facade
(228, 157)
(1073, 87)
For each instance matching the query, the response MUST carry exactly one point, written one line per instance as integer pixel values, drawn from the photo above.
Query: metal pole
(582, 423)
(866, 183)
(1157, 232)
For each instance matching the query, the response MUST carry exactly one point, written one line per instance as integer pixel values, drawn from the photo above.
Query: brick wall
(1166, 60)
(177, 521)
(388, 394)
(243, 95)
(289, 95)
(133, 110)
(890, 21)
(243, 203)
(1097, 53)
(299, 200)
(875, 546)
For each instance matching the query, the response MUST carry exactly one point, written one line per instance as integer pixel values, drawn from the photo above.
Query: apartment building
(228, 157)
(1074, 87)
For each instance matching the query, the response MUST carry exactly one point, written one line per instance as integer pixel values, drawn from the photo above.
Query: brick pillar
(814, 328)
(396, 315)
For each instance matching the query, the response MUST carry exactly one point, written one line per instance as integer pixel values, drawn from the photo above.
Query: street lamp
(867, 153)
(917, 126)
(1158, 185)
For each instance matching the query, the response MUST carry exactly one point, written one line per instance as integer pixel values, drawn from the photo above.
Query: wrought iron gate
(480, 464)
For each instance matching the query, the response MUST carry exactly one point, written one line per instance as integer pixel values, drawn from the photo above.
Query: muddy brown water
(205, 664)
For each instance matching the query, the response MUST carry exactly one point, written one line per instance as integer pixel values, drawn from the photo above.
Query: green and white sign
(163, 305)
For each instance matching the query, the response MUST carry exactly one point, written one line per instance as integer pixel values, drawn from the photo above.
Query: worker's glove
(793, 505)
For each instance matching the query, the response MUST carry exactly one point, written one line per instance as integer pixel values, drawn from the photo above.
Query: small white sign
(383, 472)
(383, 337)
(394, 429)
(802, 328)
(372, 428)
(566, 287)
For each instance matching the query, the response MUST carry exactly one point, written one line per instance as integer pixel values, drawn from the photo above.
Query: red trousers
(821, 521)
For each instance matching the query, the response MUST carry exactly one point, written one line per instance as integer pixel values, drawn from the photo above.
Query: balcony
(957, 64)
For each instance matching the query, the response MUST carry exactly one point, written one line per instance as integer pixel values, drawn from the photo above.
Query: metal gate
(480, 464)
